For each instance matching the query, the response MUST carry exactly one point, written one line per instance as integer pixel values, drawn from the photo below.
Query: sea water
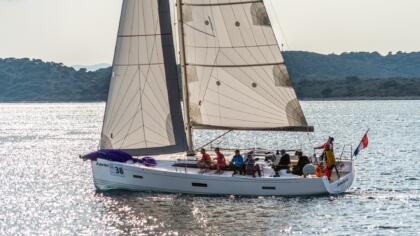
(46, 189)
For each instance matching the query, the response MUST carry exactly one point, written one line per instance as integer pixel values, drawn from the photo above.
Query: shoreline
(362, 98)
(408, 98)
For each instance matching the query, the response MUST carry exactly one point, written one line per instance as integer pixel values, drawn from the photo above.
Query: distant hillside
(349, 75)
(91, 67)
(355, 88)
(314, 66)
(35, 80)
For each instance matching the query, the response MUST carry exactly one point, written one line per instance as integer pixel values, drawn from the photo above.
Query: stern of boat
(342, 184)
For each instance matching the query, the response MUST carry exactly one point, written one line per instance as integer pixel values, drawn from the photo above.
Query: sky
(84, 31)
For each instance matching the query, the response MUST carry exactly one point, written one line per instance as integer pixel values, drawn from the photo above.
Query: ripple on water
(47, 190)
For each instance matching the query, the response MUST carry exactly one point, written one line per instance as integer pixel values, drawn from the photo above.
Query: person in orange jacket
(320, 170)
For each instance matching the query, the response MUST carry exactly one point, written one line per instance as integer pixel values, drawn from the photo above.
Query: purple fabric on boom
(148, 161)
(109, 154)
(91, 156)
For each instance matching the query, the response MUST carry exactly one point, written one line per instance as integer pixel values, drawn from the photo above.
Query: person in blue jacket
(237, 163)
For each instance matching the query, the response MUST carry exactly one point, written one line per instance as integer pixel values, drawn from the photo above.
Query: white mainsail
(143, 113)
(236, 74)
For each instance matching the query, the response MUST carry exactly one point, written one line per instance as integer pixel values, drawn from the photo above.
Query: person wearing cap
(302, 162)
(282, 162)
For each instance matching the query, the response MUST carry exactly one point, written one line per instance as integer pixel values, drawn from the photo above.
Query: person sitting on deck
(282, 162)
(205, 162)
(250, 166)
(220, 161)
(302, 162)
(237, 163)
(277, 157)
(272, 157)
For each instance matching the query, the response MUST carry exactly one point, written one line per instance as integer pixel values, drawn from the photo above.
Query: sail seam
(198, 30)
(220, 4)
(272, 115)
(244, 65)
(110, 92)
(267, 91)
(120, 87)
(141, 35)
(280, 128)
(257, 101)
(143, 64)
(259, 49)
(229, 47)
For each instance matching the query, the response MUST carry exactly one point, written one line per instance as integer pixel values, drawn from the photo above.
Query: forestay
(143, 114)
(236, 74)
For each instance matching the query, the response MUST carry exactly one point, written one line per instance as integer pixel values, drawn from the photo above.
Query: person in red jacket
(205, 162)
(220, 161)
(329, 144)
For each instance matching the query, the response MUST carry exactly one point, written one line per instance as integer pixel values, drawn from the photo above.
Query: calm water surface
(46, 190)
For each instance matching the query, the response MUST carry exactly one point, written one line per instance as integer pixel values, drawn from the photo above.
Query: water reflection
(47, 190)
(134, 213)
(171, 214)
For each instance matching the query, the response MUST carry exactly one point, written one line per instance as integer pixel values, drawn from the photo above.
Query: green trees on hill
(359, 88)
(349, 75)
(314, 66)
(35, 80)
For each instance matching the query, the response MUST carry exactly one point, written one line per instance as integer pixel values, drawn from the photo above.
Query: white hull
(108, 175)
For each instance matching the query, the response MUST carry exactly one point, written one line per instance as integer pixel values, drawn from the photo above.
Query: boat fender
(309, 169)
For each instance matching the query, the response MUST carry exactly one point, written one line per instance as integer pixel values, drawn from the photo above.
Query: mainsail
(143, 113)
(236, 75)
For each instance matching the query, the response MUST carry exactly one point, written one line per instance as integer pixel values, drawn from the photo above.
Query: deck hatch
(268, 188)
(137, 176)
(202, 185)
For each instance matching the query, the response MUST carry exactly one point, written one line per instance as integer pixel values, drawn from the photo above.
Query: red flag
(365, 141)
(363, 144)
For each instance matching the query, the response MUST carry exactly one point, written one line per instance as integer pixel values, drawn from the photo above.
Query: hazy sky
(84, 31)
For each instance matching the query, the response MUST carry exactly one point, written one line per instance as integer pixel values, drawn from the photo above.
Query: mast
(186, 99)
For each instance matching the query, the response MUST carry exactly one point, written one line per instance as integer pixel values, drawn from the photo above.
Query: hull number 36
(116, 170)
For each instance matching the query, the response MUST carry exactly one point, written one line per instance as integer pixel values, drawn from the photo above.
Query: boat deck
(266, 170)
(180, 163)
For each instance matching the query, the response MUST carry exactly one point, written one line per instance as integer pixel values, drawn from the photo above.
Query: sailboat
(233, 78)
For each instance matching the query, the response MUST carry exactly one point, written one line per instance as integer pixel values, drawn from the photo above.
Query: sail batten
(143, 113)
(237, 65)
(284, 128)
(141, 35)
(236, 74)
(219, 3)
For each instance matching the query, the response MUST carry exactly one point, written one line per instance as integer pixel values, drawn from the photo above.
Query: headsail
(236, 74)
(143, 113)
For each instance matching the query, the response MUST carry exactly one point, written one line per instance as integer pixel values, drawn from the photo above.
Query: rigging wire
(214, 140)
(277, 19)
(283, 35)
